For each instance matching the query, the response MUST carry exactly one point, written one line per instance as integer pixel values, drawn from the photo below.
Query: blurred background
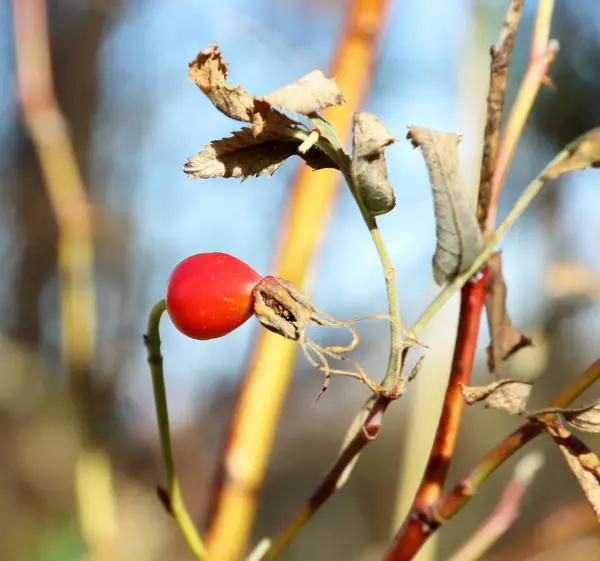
(120, 76)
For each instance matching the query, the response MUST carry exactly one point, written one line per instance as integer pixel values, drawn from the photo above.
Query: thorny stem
(417, 530)
(174, 501)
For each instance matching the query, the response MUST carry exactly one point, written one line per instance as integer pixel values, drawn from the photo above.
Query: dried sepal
(245, 154)
(459, 239)
(506, 340)
(285, 310)
(508, 395)
(369, 170)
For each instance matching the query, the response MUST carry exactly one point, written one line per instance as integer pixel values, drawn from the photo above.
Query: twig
(494, 165)
(501, 56)
(543, 53)
(71, 208)
(265, 384)
(391, 380)
(421, 525)
(366, 432)
(472, 297)
(172, 499)
(505, 513)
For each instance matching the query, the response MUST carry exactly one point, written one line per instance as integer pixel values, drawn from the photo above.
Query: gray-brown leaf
(586, 418)
(369, 169)
(244, 155)
(459, 239)
(509, 395)
(310, 94)
(209, 72)
(506, 340)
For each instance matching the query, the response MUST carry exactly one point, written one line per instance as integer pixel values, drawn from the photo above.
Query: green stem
(174, 502)
(332, 146)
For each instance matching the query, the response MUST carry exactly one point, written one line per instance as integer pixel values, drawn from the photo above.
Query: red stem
(413, 532)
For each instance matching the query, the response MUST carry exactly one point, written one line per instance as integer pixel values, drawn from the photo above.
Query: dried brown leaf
(209, 72)
(584, 464)
(584, 153)
(459, 239)
(509, 395)
(585, 418)
(244, 155)
(309, 94)
(506, 340)
(368, 163)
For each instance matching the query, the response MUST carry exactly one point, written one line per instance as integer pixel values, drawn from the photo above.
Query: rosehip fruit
(210, 294)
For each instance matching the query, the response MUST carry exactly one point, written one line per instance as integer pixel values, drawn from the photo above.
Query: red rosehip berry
(210, 294)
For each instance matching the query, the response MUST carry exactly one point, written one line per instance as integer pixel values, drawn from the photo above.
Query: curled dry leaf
(586, 418)
(209, 72)
(506, 340)
(583, 153)
(369, 169)
(584, 464)
(459, 239)
(309, 94)
(509, 395)
(244, 155)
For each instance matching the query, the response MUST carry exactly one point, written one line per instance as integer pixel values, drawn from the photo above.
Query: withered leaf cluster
(272, 135)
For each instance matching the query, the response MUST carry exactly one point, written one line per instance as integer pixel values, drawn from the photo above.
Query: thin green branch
(334, 149)
(174, 500)
(524, 201)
